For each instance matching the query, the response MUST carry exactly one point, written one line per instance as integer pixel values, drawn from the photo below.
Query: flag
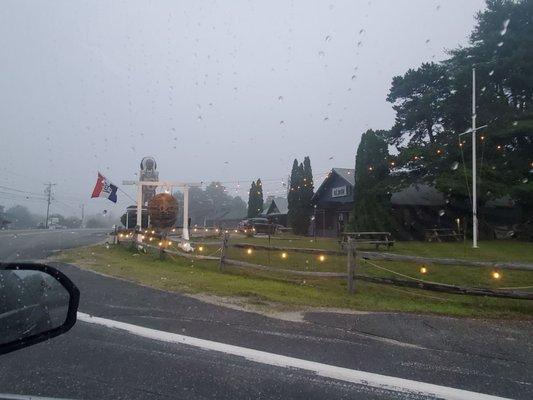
(104, 188)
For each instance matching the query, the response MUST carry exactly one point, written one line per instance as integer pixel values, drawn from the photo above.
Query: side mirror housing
(37, 302)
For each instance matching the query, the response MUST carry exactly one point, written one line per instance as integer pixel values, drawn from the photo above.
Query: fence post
(115, 237)
(223, 249)
(162, 249)
(351, 265)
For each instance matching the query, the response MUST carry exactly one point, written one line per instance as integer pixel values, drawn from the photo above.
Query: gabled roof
(226, 214)
(281, 204)
(348, 174)
(418, 195)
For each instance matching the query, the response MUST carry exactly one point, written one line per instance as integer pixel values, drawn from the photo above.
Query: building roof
(418, 195)
(348, 174)
(282, 205)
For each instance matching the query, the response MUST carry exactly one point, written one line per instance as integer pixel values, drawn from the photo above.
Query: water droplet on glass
(515, 123)
(326, 119)
(199, 118)
(483, 88)
(525, 180)
(354, 77)
(500, 44)
(504, 27)
(328, 38)
(281, 122)
(455, 165)
(280, 98)
(359, 44)
(361, 31)
(491, 72)
(321, 54)
(441, 213)
(427, 41)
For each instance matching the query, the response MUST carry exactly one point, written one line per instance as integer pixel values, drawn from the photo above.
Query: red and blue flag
(104, 188)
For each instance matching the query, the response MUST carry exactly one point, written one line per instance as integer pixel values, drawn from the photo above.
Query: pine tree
(252, 201)
(255, 199)
(292, 196)
(299, 197)
(307, 190)
(259, 198)
(372, 211)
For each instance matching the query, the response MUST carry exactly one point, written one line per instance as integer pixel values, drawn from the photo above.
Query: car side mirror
(37, 302)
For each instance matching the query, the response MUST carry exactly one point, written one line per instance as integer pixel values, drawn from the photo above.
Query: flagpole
(474, 166)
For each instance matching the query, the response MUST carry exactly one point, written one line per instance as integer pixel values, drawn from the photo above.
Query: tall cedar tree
(260, 201)
(299, 196)
(252, 201)
(255, 199)
(307, 188)
(292, 195)
(372, 210)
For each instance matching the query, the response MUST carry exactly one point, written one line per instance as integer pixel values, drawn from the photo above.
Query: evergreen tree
(259, 199)
(433, 106)
(252, 201)
(372, 210)
(293, 195)
(299, 197)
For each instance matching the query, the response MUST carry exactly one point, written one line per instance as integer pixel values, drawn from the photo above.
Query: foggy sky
(228, 91)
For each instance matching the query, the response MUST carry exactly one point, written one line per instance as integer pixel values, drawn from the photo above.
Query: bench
(374, 238)
(441, 235)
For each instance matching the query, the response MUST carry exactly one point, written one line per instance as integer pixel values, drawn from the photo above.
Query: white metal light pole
(474, 169)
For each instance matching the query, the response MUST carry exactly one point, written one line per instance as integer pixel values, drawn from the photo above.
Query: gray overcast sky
(214, 90)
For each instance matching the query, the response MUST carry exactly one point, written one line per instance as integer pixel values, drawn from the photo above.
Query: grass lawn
(450, 274)
(281, 291)
(495, 250)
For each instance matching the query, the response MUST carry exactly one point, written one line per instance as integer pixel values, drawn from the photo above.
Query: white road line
(330, 371)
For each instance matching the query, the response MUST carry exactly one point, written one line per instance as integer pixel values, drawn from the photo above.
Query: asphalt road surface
(269, 358)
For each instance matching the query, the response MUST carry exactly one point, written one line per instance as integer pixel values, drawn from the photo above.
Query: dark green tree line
(433, 106)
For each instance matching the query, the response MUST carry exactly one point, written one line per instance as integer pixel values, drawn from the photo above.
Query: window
(340, 191)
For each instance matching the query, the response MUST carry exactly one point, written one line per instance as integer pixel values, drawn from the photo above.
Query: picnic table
(441, 235)
(375, 238)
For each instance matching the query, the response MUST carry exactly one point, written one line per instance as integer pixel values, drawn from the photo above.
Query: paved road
(95, 362)
(39, 244)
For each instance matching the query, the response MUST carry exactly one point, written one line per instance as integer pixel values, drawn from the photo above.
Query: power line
(19, 190)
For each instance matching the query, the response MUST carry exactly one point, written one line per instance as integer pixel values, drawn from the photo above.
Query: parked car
(252, 226)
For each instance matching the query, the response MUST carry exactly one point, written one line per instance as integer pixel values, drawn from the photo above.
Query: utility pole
(48, 192)
(82, 214)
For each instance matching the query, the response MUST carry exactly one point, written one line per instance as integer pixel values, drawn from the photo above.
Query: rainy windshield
(284, 199)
